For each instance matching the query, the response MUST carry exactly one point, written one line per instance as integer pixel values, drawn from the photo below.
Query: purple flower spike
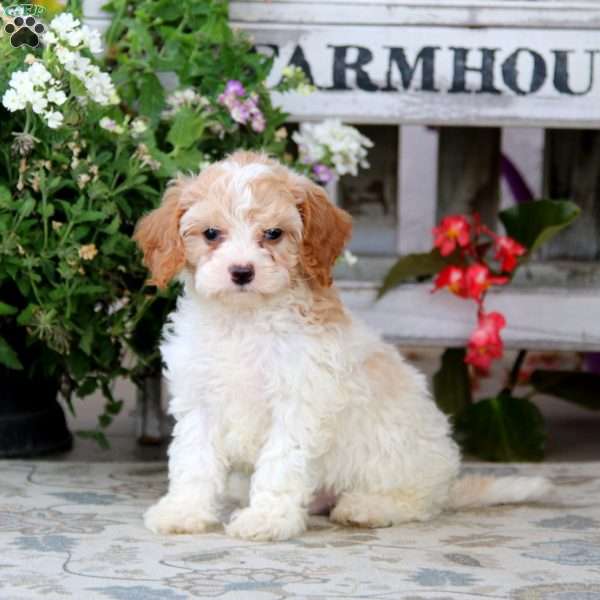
(322, 173)
(234, 88)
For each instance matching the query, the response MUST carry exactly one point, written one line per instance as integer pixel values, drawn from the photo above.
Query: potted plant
(70, 195)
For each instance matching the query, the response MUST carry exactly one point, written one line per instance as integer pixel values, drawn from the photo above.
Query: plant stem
(516, 369)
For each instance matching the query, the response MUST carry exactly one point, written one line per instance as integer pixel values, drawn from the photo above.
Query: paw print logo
(24, 32)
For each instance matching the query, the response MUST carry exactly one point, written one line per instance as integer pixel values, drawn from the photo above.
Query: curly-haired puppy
(269, 373)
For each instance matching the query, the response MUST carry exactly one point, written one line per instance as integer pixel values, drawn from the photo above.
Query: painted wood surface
(469, 172)
(572, 170)
(538, 318)
(562, 14)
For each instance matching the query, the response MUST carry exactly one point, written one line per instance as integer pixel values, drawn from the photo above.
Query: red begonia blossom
(452, 231)
(485, 344)
(507, 252)
(478, 279)
(453, 278)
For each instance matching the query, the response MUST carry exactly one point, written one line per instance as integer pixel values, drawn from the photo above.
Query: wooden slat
(417, 188)
(544, 318)
(469, 172)
(572, 171)
(458, 13)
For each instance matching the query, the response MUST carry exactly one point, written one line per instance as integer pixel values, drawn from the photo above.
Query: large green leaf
(187, 128)
(411, 267)
(152, 96)
(8, 356)
(534, 223)
(451, 383)
(577, 387)
(502, 429)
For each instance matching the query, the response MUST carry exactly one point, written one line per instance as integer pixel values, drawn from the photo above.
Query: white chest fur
(234, 367)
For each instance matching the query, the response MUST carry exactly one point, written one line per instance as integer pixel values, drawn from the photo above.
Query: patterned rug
(70, 530)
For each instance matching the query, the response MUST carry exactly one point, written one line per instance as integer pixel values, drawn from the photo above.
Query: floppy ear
(327, 228)
(157, 235)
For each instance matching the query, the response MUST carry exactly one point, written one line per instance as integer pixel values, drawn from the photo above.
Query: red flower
(485, 344)
(453, 278)
(478, 279)
(451, 231)
(507, 252)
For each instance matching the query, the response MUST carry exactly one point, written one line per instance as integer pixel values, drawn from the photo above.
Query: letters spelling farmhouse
(452, 69)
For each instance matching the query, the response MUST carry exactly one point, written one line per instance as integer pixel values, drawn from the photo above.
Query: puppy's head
(244, 228)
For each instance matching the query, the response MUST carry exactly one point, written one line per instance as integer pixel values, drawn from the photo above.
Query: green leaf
(502, 429)
(577, 387)
(410, 267)
(451, 383)
(187, 128)
(534, 223)
(152, 96)
(7, 309)
(87, 216)
(26, 207)
(5, 196)
(8, 357)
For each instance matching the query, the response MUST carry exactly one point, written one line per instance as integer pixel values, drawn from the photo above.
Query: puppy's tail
(474, 491)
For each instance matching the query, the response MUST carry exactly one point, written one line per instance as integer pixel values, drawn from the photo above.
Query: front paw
(263, 525)
(177, 514)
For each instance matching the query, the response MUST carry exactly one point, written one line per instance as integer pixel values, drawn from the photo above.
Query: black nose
(241, 274)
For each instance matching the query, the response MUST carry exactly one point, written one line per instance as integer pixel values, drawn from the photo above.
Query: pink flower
(478, 279)
(242, 111)
(452, 231)
(507, 252)
(485, 344)
(453, 278)
(258, 122)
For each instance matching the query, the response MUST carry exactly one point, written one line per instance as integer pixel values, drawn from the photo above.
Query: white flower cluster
(181, 98)
(40, 90)
(37, 88)
(68, 37)
(71, 32)
(332, 143)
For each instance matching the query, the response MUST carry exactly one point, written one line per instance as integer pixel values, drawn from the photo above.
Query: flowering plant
(70, 194)
(473, 276)
(469, 260)
(331, 148)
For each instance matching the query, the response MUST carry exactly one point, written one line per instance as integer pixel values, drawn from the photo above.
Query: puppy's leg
(280, 492)
(197, 475)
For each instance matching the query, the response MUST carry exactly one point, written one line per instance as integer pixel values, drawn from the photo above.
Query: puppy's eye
(273, 234)
(211, 234)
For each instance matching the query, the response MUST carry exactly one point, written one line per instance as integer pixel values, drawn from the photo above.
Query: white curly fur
(260, 384)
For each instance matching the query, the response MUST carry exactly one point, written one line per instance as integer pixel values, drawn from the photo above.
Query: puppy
(269, 373)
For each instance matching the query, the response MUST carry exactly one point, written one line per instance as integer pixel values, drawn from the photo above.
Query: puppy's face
(244, 228)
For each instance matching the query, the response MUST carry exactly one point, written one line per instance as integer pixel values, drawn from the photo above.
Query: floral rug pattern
(70, 530)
